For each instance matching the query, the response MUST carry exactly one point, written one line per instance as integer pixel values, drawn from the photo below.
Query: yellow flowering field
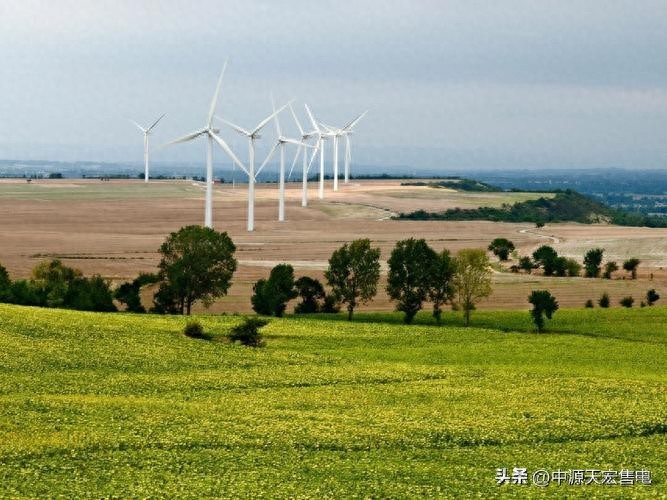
(101, 405)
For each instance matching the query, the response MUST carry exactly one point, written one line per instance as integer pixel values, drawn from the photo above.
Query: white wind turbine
(212, 135)
(345, 131)
(305, 136)
(146, 132)
(252, 136)
(280, 143)
(321, 136)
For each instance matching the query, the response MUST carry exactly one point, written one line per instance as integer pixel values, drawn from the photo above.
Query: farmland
(120, 405)
(114, 228)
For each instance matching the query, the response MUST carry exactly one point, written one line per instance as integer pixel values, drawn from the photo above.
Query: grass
(464, 199)
(119, 405)
(96, 190)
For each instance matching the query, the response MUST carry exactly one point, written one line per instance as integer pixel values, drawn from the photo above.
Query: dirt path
(544, 236)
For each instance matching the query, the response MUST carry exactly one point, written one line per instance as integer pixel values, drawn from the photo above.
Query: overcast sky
(452, 84)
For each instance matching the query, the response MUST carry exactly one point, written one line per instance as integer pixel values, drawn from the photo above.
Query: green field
(98, 190)
(102, 405)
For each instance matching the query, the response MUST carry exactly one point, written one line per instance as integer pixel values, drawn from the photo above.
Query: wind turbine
(212, 135)
(280, 143)
(252, 136)
(345, 131)
(305, 136)
(146, 132)
(321, 136)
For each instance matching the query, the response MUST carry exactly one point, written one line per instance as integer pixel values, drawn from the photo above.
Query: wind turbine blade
(296, 157)
(186, 138)
(240, 130)
(277, 122)
(348, 150)
(296, 120)
(214, 102)
(156, 122)
(138, 126)
(313, 157)
(328, 127)
(229, 151)
(268, 157)
(312, 119)
(266, 120)
(351, 125)
(293, 141)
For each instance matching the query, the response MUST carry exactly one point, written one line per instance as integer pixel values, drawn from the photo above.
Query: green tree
(544, 304)
(527, 264)
(5, 285)
(441, 289)
(631, 265)
(652, 297)
(472, 279)
(197, 264)
(409, 279)
(546, 256)
(51, 279)
(501, 248)
(573, 267)
(272, 295)
(609, 268)
(129, 293)
(353, 273)
(90, 294)
(592, 262)
(311, 293)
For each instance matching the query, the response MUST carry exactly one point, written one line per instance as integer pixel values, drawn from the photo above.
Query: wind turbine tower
(147, 132)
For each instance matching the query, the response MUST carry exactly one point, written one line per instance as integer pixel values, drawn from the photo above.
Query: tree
(652, 297)
(90, 294)
(573, 267)
(501, 248)
(604, 300)
(311, 292)
(272, 295)
(592, 261)
(441, 289)
(129, 293)
(5, 285)
(544, 304)
(472, 279)
(527, 264)
(631, 265)
(197, 264)
(546, 256)
(609, 268)
(353, 273)
(51, 279)
(410, 266)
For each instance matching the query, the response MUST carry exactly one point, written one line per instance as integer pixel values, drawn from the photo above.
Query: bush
(652, 297)
(311, 292)
(193, 329)
(592, 262)
(627, 301)
(604, 300)
(330, 304)
(501, 248)
(589, 304)
(271, 295)
(247, 333)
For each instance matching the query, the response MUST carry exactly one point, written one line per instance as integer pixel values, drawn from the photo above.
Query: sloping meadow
(126, 405)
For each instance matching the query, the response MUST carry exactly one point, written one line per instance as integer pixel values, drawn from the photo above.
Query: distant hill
(460, 184)
(565, 206)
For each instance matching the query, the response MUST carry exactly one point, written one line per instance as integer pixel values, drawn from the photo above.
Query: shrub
(604, 300)
(526, 263)
(609, 268)
(193, 329)
(311, 292)
(573, 267)
(589, 304)
(271, 295)
(652, 297)
(546, 257)
(631, 265)
(247, 333)
(330, 304)
(627, 301)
